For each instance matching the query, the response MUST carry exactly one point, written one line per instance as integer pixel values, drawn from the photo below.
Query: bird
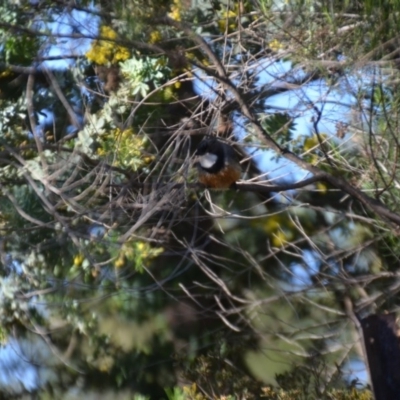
(217, 165)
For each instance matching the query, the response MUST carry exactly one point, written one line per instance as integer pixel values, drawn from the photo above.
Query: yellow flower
(121, 54)
(176, 10)
(322, 187)
(275, 45)
(311, 143)
(119, 262)
(107, 32)
(155, 36)
(227, 18)
(272, 224)
(78, 259)
(105, 51)
(279, 239)
(148, 159)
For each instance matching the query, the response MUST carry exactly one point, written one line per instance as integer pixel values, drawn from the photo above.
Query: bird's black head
(211, 155)
(209, 146)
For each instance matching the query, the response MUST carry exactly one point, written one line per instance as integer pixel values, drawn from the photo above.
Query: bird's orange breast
(223, 179)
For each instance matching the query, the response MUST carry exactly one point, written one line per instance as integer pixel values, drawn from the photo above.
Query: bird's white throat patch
(208, 160)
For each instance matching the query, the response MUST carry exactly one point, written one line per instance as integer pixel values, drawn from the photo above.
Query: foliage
(133, 277)
(139, 72)
(215, 376)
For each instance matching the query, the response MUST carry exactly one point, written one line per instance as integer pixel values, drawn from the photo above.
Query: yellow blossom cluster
(275, 45)
(106, 51)
(176, 10)
(155, 37)
(139, 253)
(228, 20)
(279, 229)
(312, 145)
(128, 149)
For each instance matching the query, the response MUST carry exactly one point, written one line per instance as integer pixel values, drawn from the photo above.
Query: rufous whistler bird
(217, 165)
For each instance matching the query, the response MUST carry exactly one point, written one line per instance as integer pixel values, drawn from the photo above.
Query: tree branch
(374, 205)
